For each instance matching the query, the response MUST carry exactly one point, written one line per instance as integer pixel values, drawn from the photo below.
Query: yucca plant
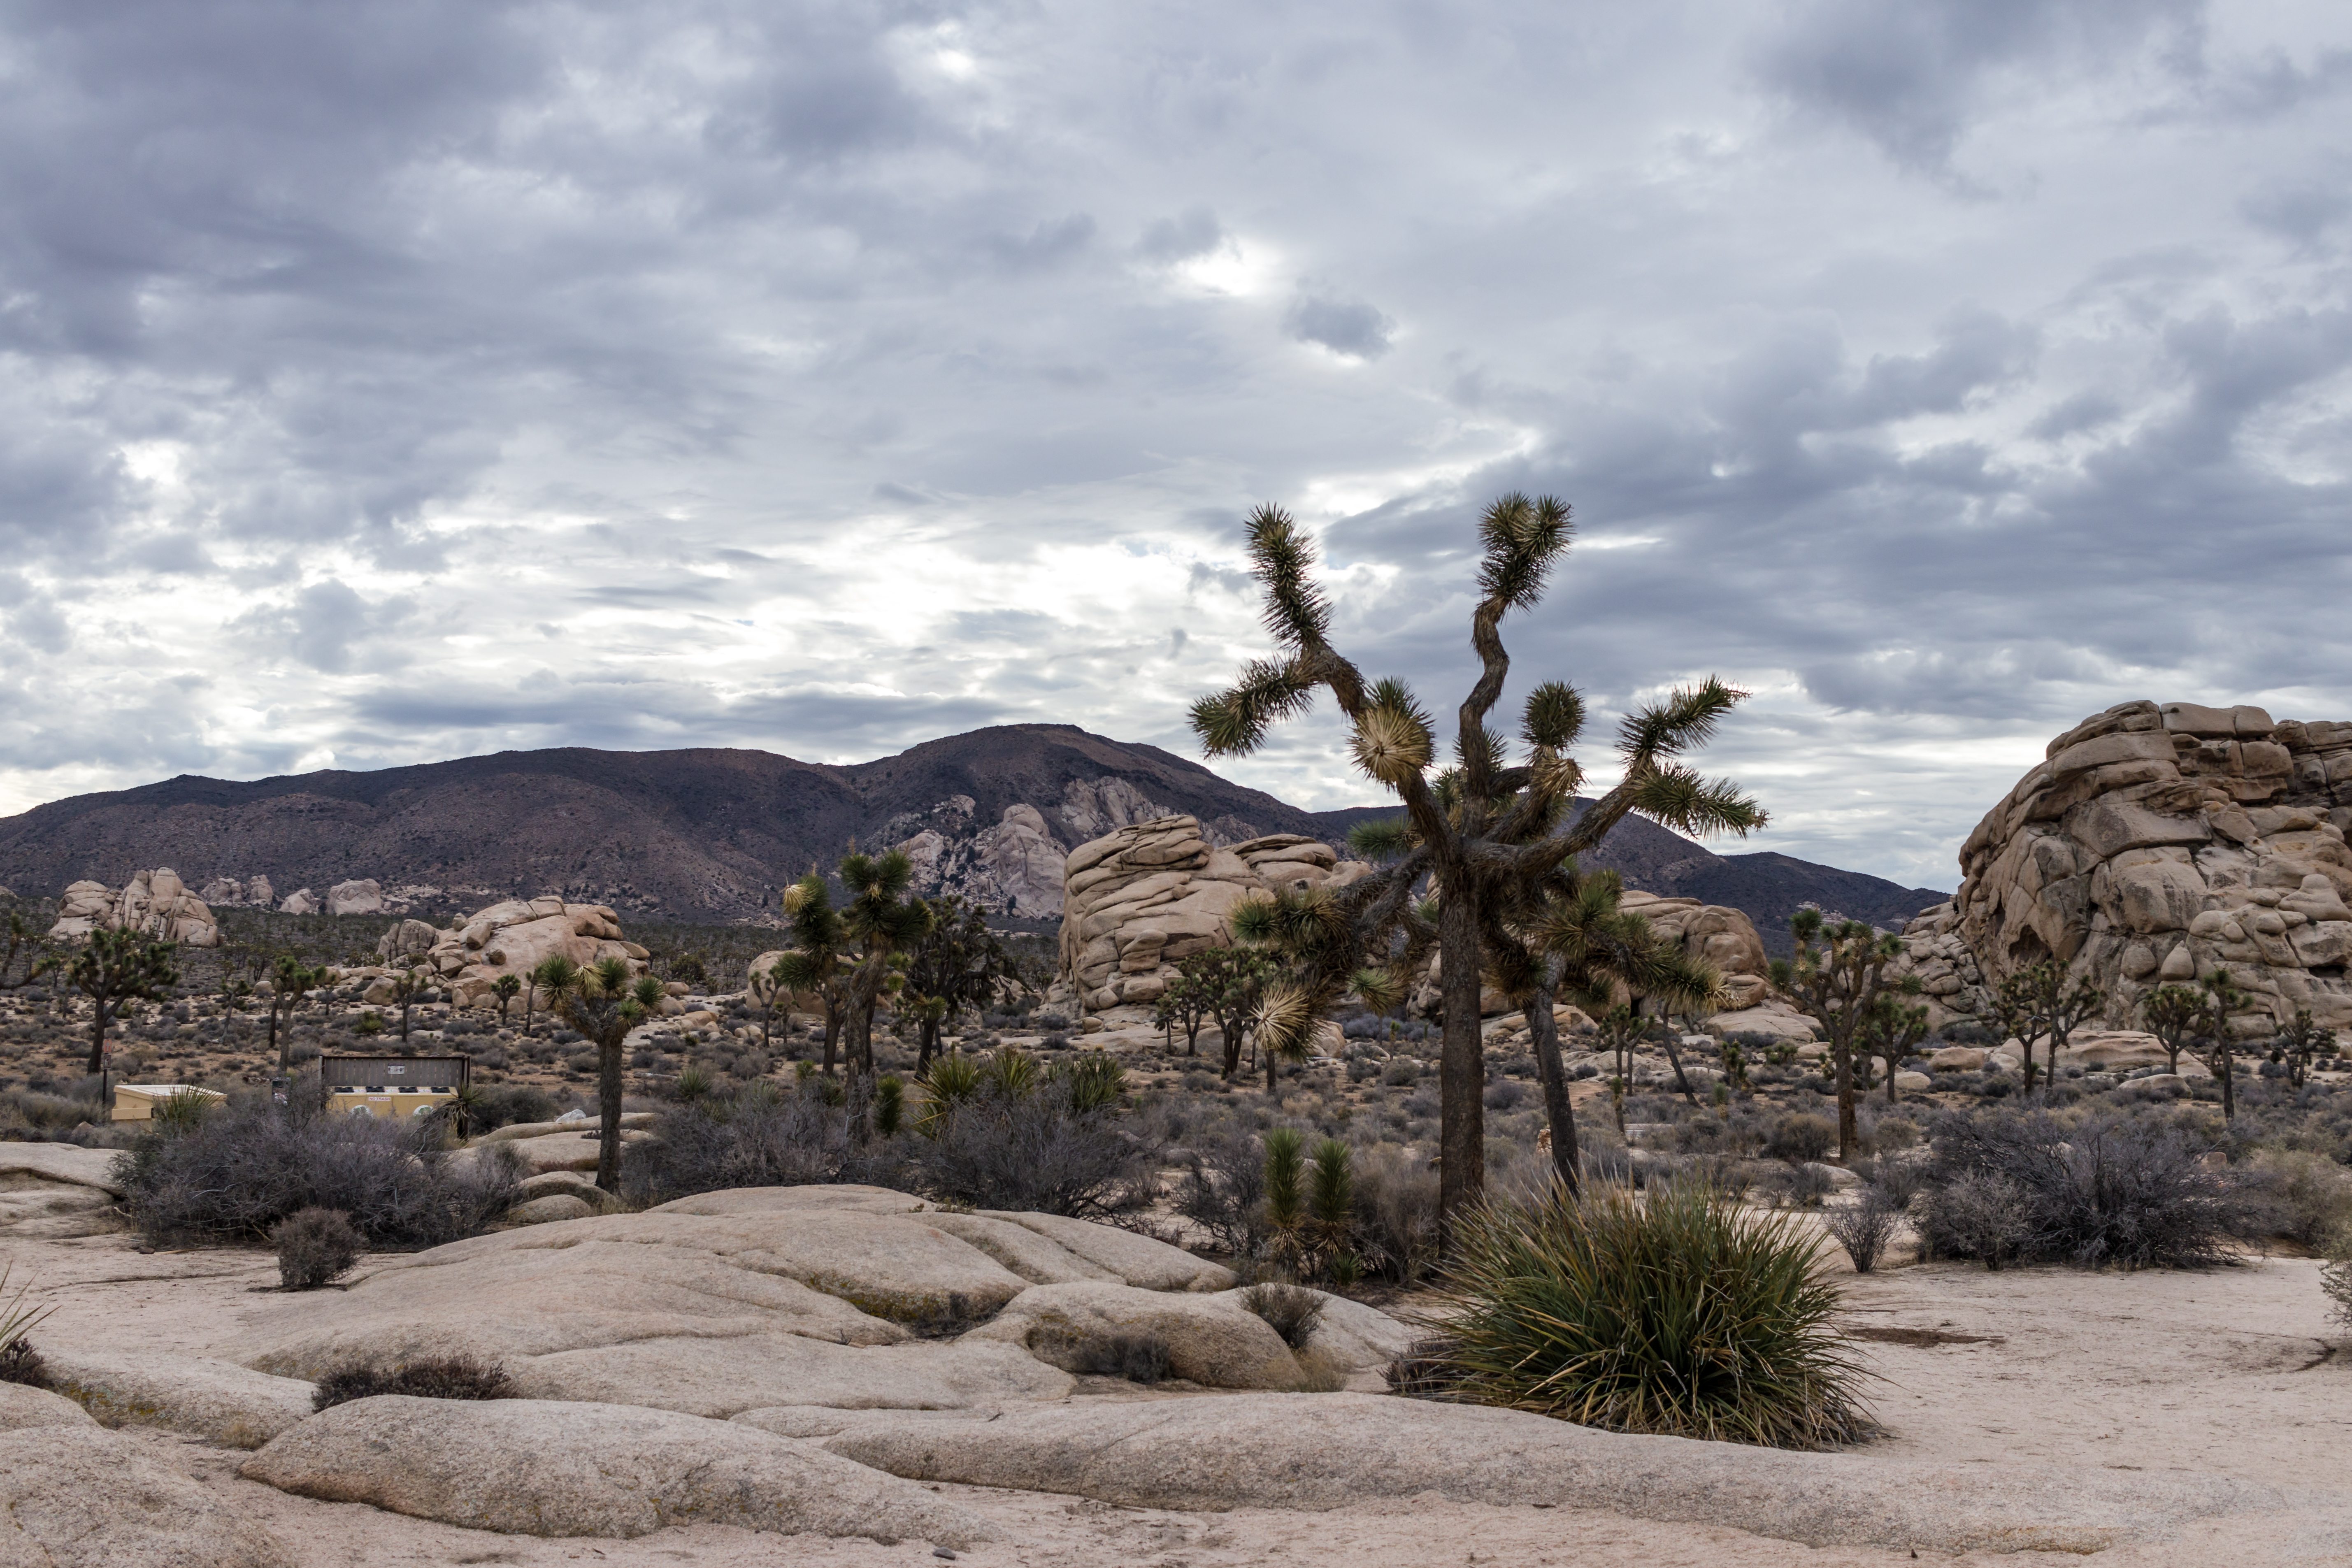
(949, 1080)
(1095, 1080)
(1286, 1180)
(1677, 1313)
(19, 1362)
(889, 1104)
(1010, 1071)
(180, 1112)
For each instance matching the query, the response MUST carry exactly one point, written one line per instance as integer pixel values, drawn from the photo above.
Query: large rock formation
(2159, 843)
(156, 902)
(511, 938)
(1137, 900)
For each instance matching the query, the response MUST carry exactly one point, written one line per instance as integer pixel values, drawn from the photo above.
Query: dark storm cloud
(1344, 326)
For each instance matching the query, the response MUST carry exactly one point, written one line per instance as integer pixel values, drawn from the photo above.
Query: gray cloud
(1344, 326)
(386, 383)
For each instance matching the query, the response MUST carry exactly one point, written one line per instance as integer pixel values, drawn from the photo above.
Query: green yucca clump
(1285, 1176)
(1676, 1313)
(890, 1103)
(1095, 1080)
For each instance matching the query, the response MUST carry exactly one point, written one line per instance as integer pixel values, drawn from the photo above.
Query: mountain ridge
(712, 833)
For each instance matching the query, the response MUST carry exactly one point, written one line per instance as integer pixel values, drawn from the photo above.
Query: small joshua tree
(2218, 1039)
(27, 957)
(814, 964)
(505, 988)
(1837, 976)
(289, 982)
(2176, 1015)
(1890, 1032)
(2037, 1002)
(955, 964)
(2299, 1043)
(407, 988)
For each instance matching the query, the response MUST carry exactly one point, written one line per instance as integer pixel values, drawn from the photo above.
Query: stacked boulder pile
(156, 902)
(509, 937)
(1138, 900)
(2161, 843)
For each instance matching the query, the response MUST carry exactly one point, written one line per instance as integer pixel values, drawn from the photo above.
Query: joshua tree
(1837, 977)
(603, 1004)
(762, 987)
(26, 958)
(2299, 1043)
(2037, 1002)
(406, 989)
(884, 923)
(114, 968)
(1228, 983)
(954, 964)
(1890, 1031)
(289, 982)
(504, 989)
(814, 963)
(548, 979)
(1183, 1006)
(1571, 936)
(1481, 831)
(2176, 1017)
(2219, 1039)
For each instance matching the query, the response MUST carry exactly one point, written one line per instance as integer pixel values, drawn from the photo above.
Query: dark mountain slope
(711, 834)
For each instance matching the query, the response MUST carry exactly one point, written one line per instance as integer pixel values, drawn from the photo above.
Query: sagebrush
(316, 1247)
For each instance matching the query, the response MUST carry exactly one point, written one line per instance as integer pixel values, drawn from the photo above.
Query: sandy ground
(2229, 1372)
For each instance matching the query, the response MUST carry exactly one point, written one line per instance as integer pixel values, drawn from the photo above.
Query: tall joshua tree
(1838, 978)
(1483, 831)
(814, 964)
(114, 968)
(884, 923)
(604, 1003)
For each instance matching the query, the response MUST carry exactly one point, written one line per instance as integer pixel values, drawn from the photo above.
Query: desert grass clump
(1291, 1311)
(316, 1247)
(449, 1378)
(1136, 1357)
(1676, 1313)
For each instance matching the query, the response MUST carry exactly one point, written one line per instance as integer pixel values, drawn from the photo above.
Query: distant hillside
(711, 834)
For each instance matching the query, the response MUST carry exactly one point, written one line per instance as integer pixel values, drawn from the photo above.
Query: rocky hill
(711, 834)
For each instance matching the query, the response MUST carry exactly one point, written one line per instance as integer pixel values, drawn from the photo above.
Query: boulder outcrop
(527, 1466)
(508, 938)
(156, 902)
(1137, 900)
(761, 1297)
(2161, 843)
(81, 1497)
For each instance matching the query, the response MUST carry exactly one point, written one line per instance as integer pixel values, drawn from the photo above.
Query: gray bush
(1863, 1229)
(759, 1138)
(1035, 1152)
(237, 1171)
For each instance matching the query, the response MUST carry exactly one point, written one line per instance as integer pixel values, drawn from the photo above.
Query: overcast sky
(382, 382)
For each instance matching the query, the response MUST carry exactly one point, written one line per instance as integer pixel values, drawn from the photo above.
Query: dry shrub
(760, 1137)
(243, 1167)
(1865, 1227)
(1291, 1311)
(2308, 1195)
(315, 1247)
(1007, 1149)
(2123, 1190)
(450, 1377)
(1136, 1357)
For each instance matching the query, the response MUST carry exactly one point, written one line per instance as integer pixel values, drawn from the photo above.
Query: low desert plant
(1676, 1313)
(2125, 1190)
(450, 1377)
(19, 1362)
(1865, 1227)
(1225, 1193)
(1030, 1149)
(2336, 1278)
(1291, 1311)
(315, 1247)
(1396, 1229)
(1136, 1357)
(1979, 1214)
(759, 1137)
(2309, 1195)
(245, 1166)
(1802, 1138)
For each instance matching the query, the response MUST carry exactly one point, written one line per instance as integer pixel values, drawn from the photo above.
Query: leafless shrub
(1977, 1214)
(759, 1138)
(1035, 1152)
(1864, 1228)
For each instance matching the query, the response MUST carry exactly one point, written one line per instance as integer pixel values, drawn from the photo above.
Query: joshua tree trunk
(1543, 1031)
(1461, 1067)
(608, 1104)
